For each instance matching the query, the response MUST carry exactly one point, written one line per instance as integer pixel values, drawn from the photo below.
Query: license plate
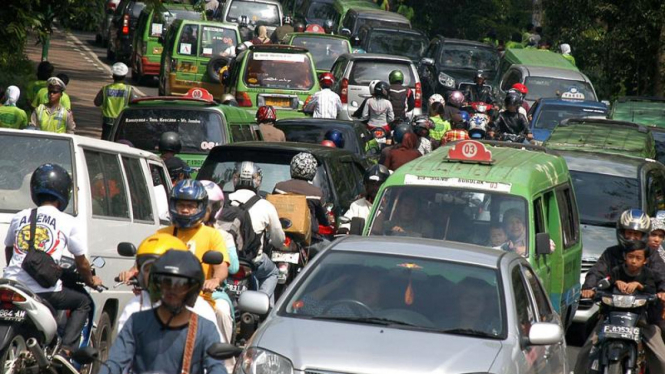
(281, 102)
(285, 257)
(16, 315)
(621, 332)
(237, 288)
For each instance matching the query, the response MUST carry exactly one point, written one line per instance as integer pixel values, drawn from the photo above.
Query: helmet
(422, 124)
(328, 143)
(188, 190)
(243, 47)
(465, 116)
(119, 69)
(303, 166)
(299, 27)
(266, 113)
(170, 142)
(229, 99)
(376, 174)
(52, 180)
(247, 175)
(480, 75)
(400, 130)
(632, 219)
(179, 269)
(657, 223)
(154, 246)
(513, 99)
(328, 26)
(381, 89)
(478, 126)
(355, 41)
(396, 76)
(521, 88)
(326, 80)
(456, 98)
(436, 98)
(372, 85)
(336, 137)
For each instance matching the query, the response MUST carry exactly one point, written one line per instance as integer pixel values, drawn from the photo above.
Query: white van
(117, 196)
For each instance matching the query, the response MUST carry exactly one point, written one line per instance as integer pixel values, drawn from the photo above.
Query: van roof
(382, 14)
(603, 163)
(225, 25)
(537, 57)
(527, 171)
(550, 72)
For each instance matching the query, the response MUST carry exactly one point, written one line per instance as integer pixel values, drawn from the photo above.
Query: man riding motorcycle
(479, 92)
(374, 177)
(511, 121)
(402, 98)
(325, 103)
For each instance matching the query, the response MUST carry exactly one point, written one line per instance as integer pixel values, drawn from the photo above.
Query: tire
(614, 368)
(214, 65)
(101, 340)
(10, 353)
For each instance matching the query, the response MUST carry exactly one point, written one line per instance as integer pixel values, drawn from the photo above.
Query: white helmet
(119, 69)
(436, 98)
(373, 84)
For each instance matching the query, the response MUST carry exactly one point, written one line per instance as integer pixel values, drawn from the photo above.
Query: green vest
(514, 45)
(42, 98)
(570, 58)
(116, 98)
(33, 89)
(406, 11)
(56, 121)
(13, 117)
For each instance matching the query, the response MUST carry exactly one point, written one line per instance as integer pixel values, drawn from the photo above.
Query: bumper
(149, 68)
(180, 87)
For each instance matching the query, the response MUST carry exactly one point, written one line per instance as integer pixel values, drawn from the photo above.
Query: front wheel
(101, 340)
(9, 355)
(614, 368)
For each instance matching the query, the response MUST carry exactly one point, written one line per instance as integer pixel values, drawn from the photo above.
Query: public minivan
(342, 7)
(188, 47)
(119, 194)
(511, 197)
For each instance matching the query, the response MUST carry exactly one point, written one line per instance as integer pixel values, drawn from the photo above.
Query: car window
(377, 22)
(512, 77)
(526, 315)
(461, 56)
(291, 71)
(161, 185)
(484, 218)
(551, 115)
(161, 21)
(188, 42)
(324, 50)
(243, 133)
(570, 221)
(138, 190)
(107, 186)
(431, 50)
(545, 312)
(364, 72)
(266, 13)
(602, 197)
(338, 69)
(546, 87)
(346, 177)
(216, 40)
(348, 21)
(321, 11)
(394, 43)
(539, 217)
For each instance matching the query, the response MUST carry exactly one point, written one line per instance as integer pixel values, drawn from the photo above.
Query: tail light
(9, 297)
(125, 24)
(287, 241)
(243, 99)
(419, 95)
(326, 230)
(242, 273)
(344, 93)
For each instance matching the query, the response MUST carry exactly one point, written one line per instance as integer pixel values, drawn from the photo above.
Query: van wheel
(101, 340)
(9, 355)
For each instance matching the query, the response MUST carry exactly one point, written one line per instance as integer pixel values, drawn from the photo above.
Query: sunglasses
(173, 282)
(54, 92)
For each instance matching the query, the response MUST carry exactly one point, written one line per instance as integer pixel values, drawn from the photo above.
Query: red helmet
(521, 88)
(326, 80)
(266, 113)
(328, 143)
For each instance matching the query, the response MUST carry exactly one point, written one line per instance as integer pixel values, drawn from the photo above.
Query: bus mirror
(543, 243)
(357, 226)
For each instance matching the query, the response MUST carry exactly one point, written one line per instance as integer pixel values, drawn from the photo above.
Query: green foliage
(84, 15)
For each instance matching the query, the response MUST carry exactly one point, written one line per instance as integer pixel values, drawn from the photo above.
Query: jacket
(612, 257)
(512, 123)
(401, 99)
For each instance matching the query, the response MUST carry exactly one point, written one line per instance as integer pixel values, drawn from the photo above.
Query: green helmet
(396, 76)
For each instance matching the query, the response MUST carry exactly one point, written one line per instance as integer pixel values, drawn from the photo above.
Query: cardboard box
(295, 209)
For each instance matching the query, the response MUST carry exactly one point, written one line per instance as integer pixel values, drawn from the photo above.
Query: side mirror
(98, 262)
(126, 249)
(86, 356)
(543, 243)
(357, 226)
(254, 302)
(213, 258)
(223, 351)
(545, 333)
(427, 61)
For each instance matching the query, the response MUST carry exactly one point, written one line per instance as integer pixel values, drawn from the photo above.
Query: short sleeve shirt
(56, 233)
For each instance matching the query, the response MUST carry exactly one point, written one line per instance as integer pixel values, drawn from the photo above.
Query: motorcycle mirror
(223, 351)
(604, 284)
(357, 226)
(86, 355)
(543, 243)
(126, 249)
(213, 258)
(98, 262)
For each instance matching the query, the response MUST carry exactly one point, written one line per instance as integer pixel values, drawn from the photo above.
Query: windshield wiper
(467, 332)
(370, 320)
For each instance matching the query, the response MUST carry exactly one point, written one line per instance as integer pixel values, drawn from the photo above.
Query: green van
(648, 111)
(147, 49)
(200, 121)
(324, 48)
(343, 6)
(188, 47)
(534, 57)
(507, 196)
(603, 136)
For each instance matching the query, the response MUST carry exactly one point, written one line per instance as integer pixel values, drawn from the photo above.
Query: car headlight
(259, 361)
(446, 80)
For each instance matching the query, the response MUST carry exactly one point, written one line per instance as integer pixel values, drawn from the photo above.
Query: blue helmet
(188, 190)
(336, 137)
(52, 180)
(400, 130)
(465, 116)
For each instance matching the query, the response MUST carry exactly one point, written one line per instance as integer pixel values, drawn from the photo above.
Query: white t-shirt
(359, 208)
(55, 233)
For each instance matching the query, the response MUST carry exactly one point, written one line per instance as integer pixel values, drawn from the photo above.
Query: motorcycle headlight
(259, 361)
(446, 80)
(607, 300)
(639, 302)
(623, 301)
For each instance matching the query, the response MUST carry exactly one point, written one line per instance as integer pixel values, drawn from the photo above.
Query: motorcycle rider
(56, 233)
(356, 45)
(657, 234)
(325, 103)
(453, 105)
(378, 111)
(523, 91)
(329, 27)
(336, 137)
(402, 98)
(266, 117)
(299, 27)
(373, 179)
(281, 31)
(421, 127)
(157, 340)
(511, 121)
(436, 113)
(479, 92)
(359, 112)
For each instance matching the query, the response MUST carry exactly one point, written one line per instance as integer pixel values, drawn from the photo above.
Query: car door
(569, 241)
(655, 180)
(542, 263)
(161, 185)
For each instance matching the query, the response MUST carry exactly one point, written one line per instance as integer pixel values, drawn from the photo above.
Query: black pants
(106, 131)
(79, 305)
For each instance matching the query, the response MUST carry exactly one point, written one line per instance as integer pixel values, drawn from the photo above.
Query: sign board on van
(474, 184)
(272, 56)
(470, 151)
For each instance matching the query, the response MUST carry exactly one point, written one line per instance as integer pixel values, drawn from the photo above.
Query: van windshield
(319, 12)
(324, 50)
(469, 57)
(476, 217)
(20, 156)
(200, 130)
(161, 22)
(395, 43)
(365, 71)
(602, 197)
(290, 71)
(551, 115)
(266, 13)
(545, 87)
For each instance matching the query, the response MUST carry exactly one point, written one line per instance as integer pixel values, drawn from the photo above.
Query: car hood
(467, 75)
(595, 239)
(356, 348)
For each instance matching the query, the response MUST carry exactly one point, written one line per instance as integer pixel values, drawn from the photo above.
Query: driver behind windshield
(408, 221)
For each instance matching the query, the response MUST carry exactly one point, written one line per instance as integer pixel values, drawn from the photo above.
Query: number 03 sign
(470, 151)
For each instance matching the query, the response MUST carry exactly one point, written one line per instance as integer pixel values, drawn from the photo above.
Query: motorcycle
(290, 260)
(480, 113)
(245, 323)
(381, 134)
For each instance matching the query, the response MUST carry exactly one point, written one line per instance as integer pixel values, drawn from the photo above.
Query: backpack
(237, 222)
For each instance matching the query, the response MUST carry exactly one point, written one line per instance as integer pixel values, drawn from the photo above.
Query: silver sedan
(401, 305)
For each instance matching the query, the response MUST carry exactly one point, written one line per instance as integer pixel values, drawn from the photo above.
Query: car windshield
(308, 133)
(200, 130)
(602, 197)
(642, 112)
(477, 217)
(20, 156)
(544, 87)
(216, 40)
(162, 21)
(394, 43)
(364, 72)
(289, 71)
(321, 12)
(469, 57)
(551, 115)
(376, 22)
(324, 50)
(266, 13)
(401, 292)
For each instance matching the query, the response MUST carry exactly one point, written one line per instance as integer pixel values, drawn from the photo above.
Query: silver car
(405, 305)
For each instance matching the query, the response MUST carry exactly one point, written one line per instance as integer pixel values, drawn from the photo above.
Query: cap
(119, 69)
(55, 81)
(176, 166)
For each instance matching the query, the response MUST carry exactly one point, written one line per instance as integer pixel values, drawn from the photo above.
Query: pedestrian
(405, 152)
(52, 116)
(405, 9)
(325, 103)
(42, 95)
(44, 72)
(113, 98)
(266, 117)
(281, 31)
(565, 52)
(10, 115)
(261, 36)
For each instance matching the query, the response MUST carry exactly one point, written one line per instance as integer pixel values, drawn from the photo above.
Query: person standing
(52, 116)
(325, 103)
(11, 116)
(42, 95)
(44, 72)
(281, 31)
(113, 98)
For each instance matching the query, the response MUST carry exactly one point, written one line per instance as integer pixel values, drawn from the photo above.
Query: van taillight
(243, 99)
(419, 95)
(344, 93)
(125, 24)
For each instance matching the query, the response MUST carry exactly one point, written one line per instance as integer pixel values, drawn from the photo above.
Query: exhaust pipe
(37, 353)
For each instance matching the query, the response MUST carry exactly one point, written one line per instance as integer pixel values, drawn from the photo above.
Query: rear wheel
(9, 355)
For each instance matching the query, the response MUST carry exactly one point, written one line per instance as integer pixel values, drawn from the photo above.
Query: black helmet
(400, 130)
(179, 268)
(299, 27)
(170, 142)
(636, 220)
(513, 98)
(381, 89)
(328, 26)
(376, 174)
(52, 180)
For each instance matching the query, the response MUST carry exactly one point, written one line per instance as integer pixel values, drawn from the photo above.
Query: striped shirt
(324, 104)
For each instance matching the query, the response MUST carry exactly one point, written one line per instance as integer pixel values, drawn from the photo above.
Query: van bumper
(149, 68)
(180, 87)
